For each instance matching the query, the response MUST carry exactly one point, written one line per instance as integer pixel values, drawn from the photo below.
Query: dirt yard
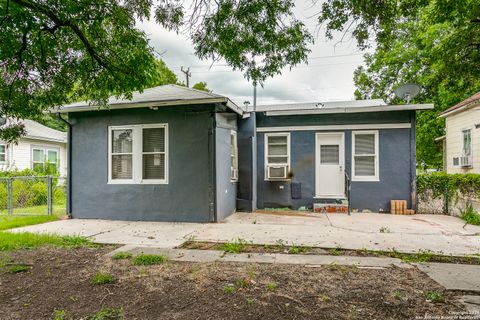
(60, 279)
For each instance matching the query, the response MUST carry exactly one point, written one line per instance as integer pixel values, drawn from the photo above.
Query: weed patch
(297, 249)
(18, 268)
(122, 255)
(102, 278)
(435, 296)
(271, 286)
(236, 246)
(228, 289)
(471, 216)
(108, 314)
(149, 259)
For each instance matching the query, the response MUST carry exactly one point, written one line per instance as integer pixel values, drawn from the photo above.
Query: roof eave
(447, 113)
(151, 104)
(411, 107)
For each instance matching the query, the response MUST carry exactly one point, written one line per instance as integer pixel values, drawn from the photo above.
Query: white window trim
(265, 142)
(137, 154)
(376, 177)
(235, 167)
(462, 140)
(45, 154)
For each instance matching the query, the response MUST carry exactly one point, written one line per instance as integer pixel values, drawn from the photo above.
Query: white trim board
(337, 127)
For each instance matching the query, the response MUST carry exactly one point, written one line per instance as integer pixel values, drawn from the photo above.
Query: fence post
(446, 200)
(9, 196)
(49, 195)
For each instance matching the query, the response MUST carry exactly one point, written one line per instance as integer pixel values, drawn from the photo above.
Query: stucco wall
(226, 189)
(396, 162)
(184, 198)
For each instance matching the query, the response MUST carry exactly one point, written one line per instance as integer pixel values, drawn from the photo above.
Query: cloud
(327, 77)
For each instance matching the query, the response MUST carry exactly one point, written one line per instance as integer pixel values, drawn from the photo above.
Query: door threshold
(330, 197)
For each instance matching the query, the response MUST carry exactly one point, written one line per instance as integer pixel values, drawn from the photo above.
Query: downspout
(69, 165)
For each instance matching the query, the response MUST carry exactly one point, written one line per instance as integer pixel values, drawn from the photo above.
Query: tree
(201, 86)
(433, 43)
(56, 51)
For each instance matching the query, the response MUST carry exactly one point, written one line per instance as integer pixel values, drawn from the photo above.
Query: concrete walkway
(454, 276)
(190, 255)
(372, 231)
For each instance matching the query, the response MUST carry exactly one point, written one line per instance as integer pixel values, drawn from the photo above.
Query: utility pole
(188, 74)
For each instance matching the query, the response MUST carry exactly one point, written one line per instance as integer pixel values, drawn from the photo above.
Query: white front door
(330, 165)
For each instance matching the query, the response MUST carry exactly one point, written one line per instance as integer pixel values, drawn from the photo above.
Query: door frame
(341, 155)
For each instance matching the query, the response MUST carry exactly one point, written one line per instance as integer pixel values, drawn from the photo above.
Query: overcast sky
(327, 77)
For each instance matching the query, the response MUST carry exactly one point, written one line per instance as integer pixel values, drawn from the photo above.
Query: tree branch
(67, 23)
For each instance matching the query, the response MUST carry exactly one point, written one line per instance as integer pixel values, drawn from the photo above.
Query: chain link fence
(35, 195)
(445, 203)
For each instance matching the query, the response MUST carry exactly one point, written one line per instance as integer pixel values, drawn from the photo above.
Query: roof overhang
(401, 107)
(462, 108)
(44, 139)
(149, 104)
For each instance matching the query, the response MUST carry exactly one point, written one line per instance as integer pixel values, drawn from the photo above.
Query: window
(45, 160)
(233, 156)
(365, 156)
(138, 154)
(3, 152)
(466, 143)
(277, 155)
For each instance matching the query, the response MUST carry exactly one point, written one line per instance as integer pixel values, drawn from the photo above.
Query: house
(41, 146)
(461, 143)
(177, 154)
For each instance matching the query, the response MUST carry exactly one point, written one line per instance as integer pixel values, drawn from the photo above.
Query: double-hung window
(365, 156)
(3, 153)
(233, 156)
(44, 159)
(138, 154)
(277, 156)
(466, 142)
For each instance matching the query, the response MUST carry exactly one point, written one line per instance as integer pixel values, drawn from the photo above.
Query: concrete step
(331, 207)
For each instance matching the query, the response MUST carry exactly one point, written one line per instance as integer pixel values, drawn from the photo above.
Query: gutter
(69, 165)
(150, 104)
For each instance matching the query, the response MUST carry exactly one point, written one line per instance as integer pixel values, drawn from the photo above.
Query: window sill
(365, 179)
(152, 182)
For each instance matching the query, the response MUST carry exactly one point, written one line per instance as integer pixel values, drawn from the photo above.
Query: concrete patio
(373, 231)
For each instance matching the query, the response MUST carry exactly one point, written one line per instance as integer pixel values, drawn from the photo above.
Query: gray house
(176, 154)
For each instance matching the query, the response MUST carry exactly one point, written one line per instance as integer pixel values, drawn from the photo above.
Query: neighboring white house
(461, 143)
(40, 146)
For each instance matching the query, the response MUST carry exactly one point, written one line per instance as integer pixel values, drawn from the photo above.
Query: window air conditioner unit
(233, 174)
(277, 172)
(465, 161)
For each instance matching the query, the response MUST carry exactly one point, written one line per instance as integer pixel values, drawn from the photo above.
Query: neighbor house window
(138, 154)
(3, 153)
(365, 156)
(467, 142)
(45, 159)
(277, 155)
(233, 156)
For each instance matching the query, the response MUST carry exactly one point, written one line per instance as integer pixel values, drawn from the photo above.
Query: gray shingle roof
(157, 96)
(37, 131)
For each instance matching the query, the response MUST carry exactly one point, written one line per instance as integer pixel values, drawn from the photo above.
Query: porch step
(339, 206)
